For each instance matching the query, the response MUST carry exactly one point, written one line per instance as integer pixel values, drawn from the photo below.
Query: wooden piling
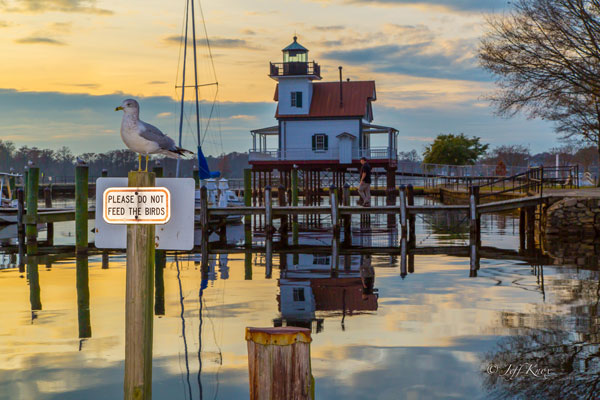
(81, 208)
(473, 215)
(410, 200)
(25, 182)
(279, 363)
(294, 180)
(49, 225)
(12, 186)
(283, 229)
(530, 226)
(83, 297)
(335, 211)
(522, 222)
(196, 176)
(248, 194)
(21, 224)
(403, 213)
(204, 212)
(139, 299)
(268, 211)
(160, 261)
(32, 210)
(347, 218)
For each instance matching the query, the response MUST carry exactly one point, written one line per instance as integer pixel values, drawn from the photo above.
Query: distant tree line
(461, 150)
(59, 164)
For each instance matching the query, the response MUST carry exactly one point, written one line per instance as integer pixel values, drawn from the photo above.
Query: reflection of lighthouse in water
(311, 288)
(218, 261)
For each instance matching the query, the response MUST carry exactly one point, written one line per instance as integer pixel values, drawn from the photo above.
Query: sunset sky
(66, 64)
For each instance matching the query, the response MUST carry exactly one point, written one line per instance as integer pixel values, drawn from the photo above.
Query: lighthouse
(323, 128)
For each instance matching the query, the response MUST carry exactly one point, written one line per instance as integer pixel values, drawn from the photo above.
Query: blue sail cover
(203, 170)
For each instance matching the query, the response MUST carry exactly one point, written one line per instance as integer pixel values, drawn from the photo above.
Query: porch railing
(308, 154)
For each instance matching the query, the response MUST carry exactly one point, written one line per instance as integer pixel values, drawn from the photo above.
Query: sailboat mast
(196, 76)
(187, 5)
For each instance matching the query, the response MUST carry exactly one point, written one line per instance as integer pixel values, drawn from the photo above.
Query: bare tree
(587, 156)
(546, 57)
(513, 155)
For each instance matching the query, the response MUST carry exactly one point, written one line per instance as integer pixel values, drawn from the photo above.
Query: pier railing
(533, 181)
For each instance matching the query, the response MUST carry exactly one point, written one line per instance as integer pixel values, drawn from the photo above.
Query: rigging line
(212, 61)
(177, 171)
(195, 72)
(210, 114)
(187, 364)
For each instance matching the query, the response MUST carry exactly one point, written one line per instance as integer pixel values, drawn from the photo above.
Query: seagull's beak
(118, 108)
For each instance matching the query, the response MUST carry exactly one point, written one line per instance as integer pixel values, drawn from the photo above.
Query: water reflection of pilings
(83, 297)
(160, 261)
(33, 276)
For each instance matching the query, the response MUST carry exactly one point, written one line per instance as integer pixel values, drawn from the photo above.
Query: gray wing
(154, 134)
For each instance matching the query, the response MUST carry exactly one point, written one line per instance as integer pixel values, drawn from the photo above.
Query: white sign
(137, 205)
(177, 234)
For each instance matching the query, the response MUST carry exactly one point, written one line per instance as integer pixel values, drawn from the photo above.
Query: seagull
(144, 138)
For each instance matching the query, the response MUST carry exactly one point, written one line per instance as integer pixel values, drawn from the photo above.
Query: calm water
(435, 333)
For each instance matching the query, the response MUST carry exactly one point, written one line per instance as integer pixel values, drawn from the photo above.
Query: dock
(526, 195)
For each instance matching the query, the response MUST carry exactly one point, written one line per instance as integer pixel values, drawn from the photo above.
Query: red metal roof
(326, 99)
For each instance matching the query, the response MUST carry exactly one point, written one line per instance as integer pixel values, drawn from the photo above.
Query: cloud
(4, 24)
(329, 28)
(331, 43)
(40, 40)
(61, 27)
(84, 85)
(261, 13)
(248, 32)
(42, 6)
(215, 42)
(164, 114)
(450, 5)
(429, 58)
(157, 82)
(243, 116)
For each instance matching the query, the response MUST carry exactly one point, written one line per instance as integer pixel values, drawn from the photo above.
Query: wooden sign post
(139, 301)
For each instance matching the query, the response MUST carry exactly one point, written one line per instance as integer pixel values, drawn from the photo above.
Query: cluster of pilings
(310, 185)
(27, 211)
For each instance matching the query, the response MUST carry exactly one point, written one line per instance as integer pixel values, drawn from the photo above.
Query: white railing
(374, 153)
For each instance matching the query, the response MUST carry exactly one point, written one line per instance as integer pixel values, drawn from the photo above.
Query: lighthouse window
(297, 99)
(319, 142)
(299, 294)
